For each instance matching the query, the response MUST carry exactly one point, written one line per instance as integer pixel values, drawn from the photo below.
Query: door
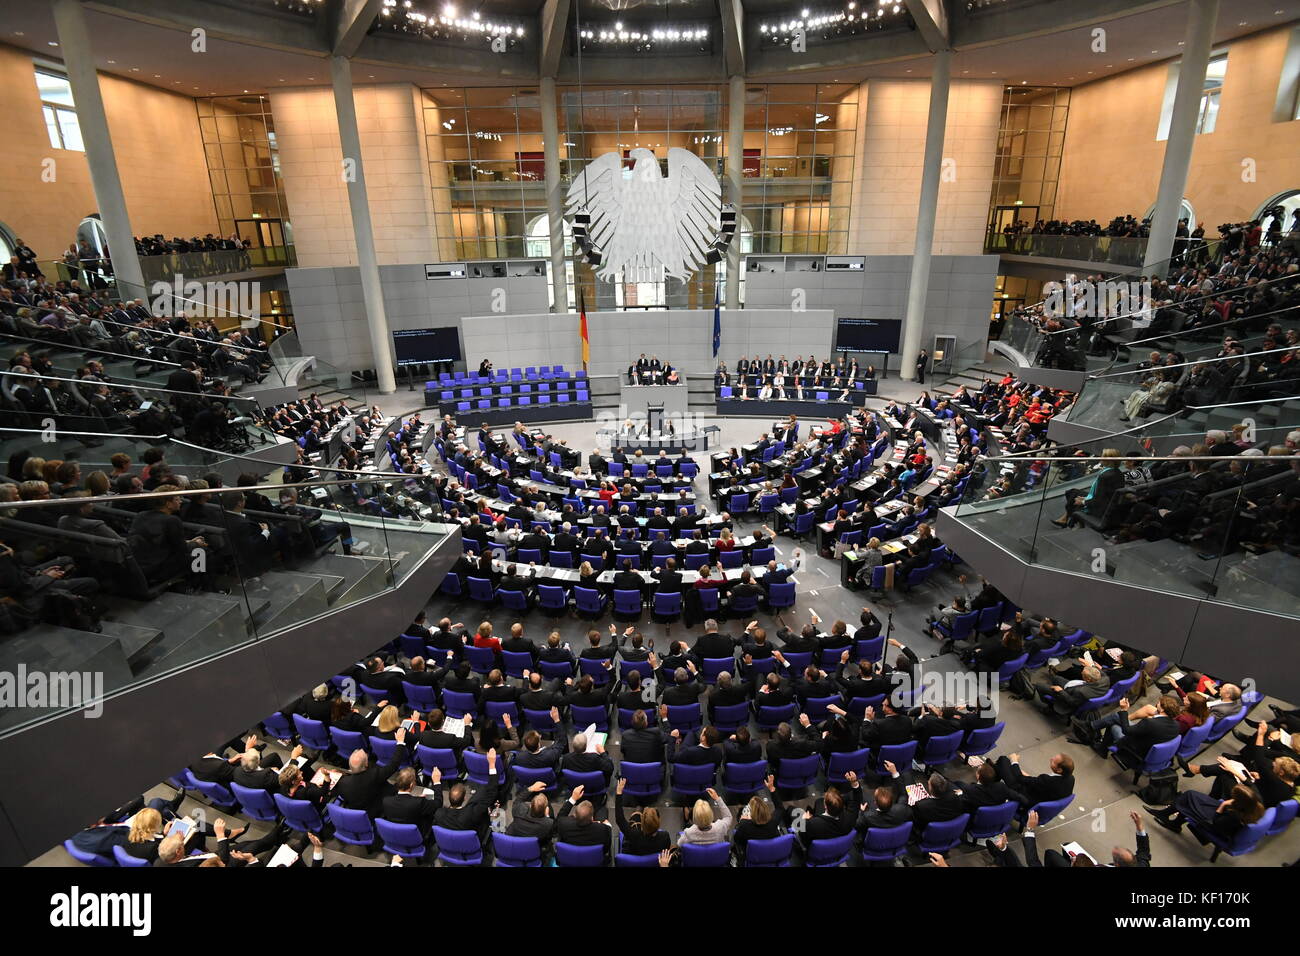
(1004, 216)
(267, 238)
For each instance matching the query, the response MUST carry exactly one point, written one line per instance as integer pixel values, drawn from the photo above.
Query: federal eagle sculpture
(645, 225)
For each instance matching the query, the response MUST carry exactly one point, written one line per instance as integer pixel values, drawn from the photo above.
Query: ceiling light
(53, 42)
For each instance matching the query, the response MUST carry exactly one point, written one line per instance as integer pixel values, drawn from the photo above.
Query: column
(359, 203)
(735, 181)
(554, 193)
(919, 283)
(1201, 16)
(79, 61)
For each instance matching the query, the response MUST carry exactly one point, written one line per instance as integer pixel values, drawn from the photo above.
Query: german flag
(582, 330)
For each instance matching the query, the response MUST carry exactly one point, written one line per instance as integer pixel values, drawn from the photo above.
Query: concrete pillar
(735, 182)
(1201, 17)
(554, 193)
(79, 61)
(359, 203)
(919, 283)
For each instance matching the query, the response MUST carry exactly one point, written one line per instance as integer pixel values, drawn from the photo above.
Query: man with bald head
(365, 785)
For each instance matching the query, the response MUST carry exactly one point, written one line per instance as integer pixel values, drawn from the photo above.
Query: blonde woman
(710, 821)
(145, 832)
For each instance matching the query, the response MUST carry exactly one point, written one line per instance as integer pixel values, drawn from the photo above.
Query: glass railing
(96, 273)
(1113, 250)
(1213, 528)
(132, 587)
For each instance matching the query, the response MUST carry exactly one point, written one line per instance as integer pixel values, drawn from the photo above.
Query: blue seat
(942, 835)
(743, 606)
(773, 852)
(830, 852)
(481, 659)
(1046, 810)
(838, 764)
(351, 826)
(728, 718)
(458, 703)
(1240, 843)
(312, 733)
(627, 605)
(123, 858)
(817, 708)
(516, 851)
(744, 779)
(347, 741)
(645, 781)
(481, 590)
(798, 773)
(685, 717)
(300, 815)
(983, 739)
(457, 847)
(900, 755)
(525, 777)
(885, 844)
(514, 600)
(497, 709)
(555, 670)
(597, 668)
(594, 784)
(706, 854)
(962, 626)
(646, 861)
(781, 595)
(279, 726)
(1159, 757)
(710, 600)
(692, 779)
(444, 758)
(667, 606)
(217, 795)
(711, 667)
(551, 597)
(1006, 671)
(738, 504)
(401, 839)
(582, 716)
(255, 803)
(768, 718)
(1286, 813)
(731, 560)
(941, 749)
(988, 823)
(590, 602)
(476, 767)
(515, 663)
(90, 859)
(569, 854)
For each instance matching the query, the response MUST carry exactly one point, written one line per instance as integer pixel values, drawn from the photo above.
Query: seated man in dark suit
(1057, 784)
(668, 578)
(788, 743)
(702, 749)
(577, 824)
(365, 784)
(459, 813)
(436, 738)
(406, 807)
(626, 579)
(643, 742)
(685, 688)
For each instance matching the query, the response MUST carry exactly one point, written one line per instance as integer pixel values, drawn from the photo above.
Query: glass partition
(131, 587)
(1200, 525)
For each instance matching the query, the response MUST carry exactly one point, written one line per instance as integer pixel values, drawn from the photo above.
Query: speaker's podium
(671, 401)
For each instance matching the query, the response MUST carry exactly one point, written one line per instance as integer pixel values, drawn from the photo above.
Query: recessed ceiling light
(20, 33)
(157, 76)
(135, 69)
(1241, 23)
(52, 42)
(112, 61)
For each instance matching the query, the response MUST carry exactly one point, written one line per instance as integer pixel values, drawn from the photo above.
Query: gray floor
(1097, 819)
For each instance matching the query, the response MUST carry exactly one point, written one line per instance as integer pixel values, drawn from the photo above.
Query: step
(363, 576)
(47, 647)
(193, 626)
(134, 640)
(288, 597)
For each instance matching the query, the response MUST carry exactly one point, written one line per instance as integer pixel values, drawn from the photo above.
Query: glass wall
(1031, 134)
(487, 169)
(244, 167)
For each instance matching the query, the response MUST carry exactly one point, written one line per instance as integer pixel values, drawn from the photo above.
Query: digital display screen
(421, 346)
(868, 335)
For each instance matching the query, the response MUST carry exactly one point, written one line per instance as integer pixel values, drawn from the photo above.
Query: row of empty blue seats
(507, 375)
(521, 400)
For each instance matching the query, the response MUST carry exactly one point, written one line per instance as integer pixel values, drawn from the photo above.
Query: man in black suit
(458, 813)
(713, 645)
(1055, 785)
(365, 784)
(540, 694)
(642, 742)
(531, 816)
(577, 823)
(626, 579)
(986, 791)
(884, 726)
(668, 580)
(943, 803)
(517, 643)
(891, 810)
(406, 807)
(436, 738)
(250, 773)
(534, 756)
(698, 750)
(662, 546)
(1137, 732)
(788, 743)
(565, 541)
(685, 688)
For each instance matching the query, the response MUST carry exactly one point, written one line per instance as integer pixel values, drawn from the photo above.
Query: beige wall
(394, 156)
(1112, 159)
(891, 149)
(159, 158)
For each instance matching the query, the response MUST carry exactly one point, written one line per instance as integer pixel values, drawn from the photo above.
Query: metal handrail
(75, 348)
(35, 376)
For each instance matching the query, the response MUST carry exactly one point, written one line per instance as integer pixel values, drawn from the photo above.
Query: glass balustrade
(148, 583)
(1213, 528)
